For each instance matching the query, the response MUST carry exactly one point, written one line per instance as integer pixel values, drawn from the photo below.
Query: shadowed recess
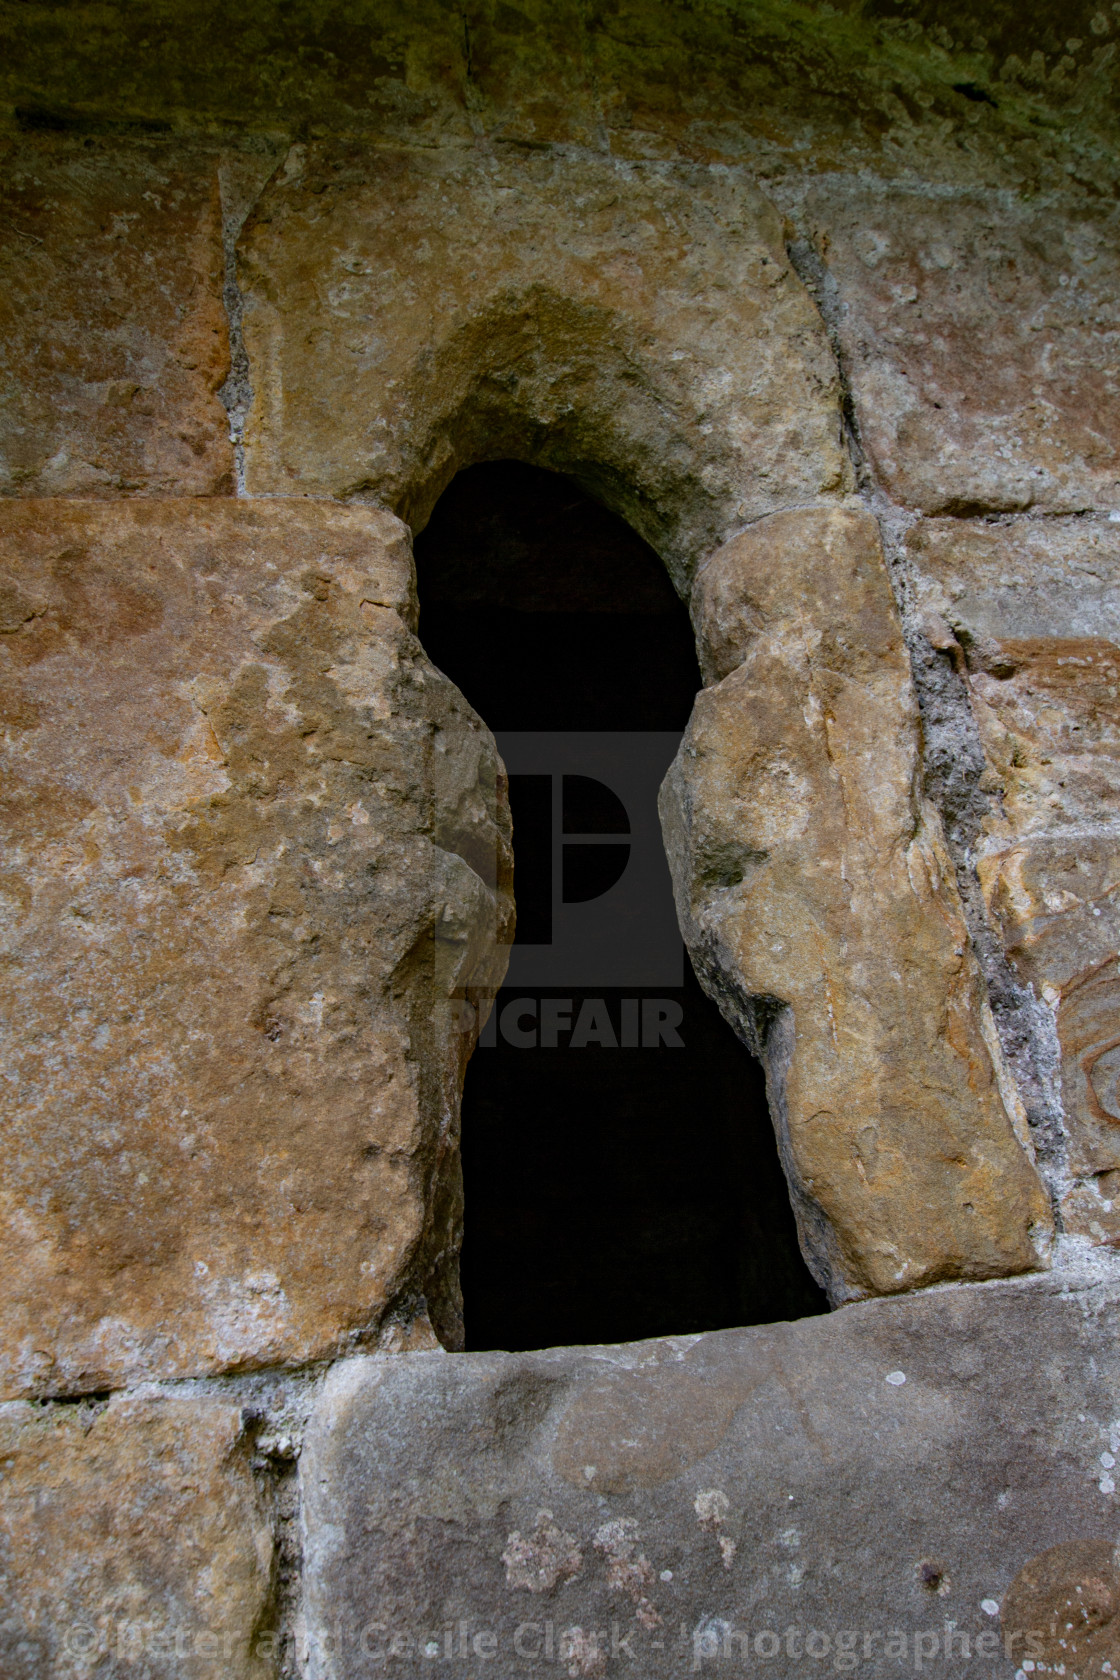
(627, 1184)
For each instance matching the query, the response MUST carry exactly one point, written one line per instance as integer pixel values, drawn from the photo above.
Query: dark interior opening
(621, 1175)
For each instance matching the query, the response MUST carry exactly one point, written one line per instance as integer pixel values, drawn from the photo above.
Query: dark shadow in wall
(612, 1191)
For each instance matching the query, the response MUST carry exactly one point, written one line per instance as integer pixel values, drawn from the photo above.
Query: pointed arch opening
(621, 1177)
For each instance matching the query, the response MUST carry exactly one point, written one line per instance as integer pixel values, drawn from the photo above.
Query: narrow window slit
(621, 1177)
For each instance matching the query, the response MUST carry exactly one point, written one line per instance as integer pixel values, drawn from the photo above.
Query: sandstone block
(821, 911)
(752, 1500)
(111, 321)
(638, 325)
(255, 846)
(1056, 900)
(1036, 607)
(1048, 708)
(978, 332)
(132, 1541)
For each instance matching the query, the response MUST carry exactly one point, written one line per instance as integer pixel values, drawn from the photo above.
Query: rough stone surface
(893, 1468)
(979, 332)
(255, 842)
(1071, 1595)
(132, 1541)
(231, 1071)
(114, 340)
(1056, 899)
(637, 325)
(1022, 94)
(1020, 577)
(821, 910)
(1035, 605)
(1048, 708)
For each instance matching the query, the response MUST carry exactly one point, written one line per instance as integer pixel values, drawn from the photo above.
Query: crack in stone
(241, 189)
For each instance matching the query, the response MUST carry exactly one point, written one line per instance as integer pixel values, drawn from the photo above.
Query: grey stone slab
(812, 1489)
(1020, 578)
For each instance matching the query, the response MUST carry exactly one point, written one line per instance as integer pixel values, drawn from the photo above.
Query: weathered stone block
(1036, 607)
(978, 331)
(132, 1541)
(1056, 900)
(255, 843)
(821, 911)
(638, 325)
(753, 1500)
(1049, 715)
(1020, 577)
(114, 339)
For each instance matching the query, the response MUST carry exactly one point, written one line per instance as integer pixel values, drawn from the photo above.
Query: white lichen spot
(895, 1378)
(543, 1559)
(711, 1506)
(990, 1606)
(1107, 1460)
(1106, 1484)
(666, 1575)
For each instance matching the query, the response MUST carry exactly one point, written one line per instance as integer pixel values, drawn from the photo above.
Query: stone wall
(823, 301)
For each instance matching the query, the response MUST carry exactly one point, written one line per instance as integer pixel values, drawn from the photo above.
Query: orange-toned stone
(114, 338)
(1065, 1604)
(133, 1541)
(1049, 714)
(821, 910)
(638, 325)
(1056, 899)
(1035, 605)
(254, 843)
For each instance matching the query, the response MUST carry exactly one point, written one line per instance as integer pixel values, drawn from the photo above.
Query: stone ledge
(891, 1467)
